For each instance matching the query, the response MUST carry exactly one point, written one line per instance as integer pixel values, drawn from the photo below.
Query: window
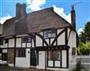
(49, 33)
(21, 52)
(54, 55)
(26, 40)
(4, 56)
(73, 51)
(54, 58)
(6, 40)
(1, 41)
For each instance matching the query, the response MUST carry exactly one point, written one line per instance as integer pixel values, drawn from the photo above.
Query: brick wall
(11, 56)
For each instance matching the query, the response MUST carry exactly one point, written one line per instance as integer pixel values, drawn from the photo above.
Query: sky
(61, 7)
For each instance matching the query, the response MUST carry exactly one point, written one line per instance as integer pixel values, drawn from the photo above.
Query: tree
(85, 35)
(87, 29)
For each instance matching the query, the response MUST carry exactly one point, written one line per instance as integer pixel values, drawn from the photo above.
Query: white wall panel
(38, 41)
(72, 39)
(18, 42)
(64, 62)
(42, 59)
(23, 44)
(28, 44)
(61, 39)
(11, 43)
(23, 61)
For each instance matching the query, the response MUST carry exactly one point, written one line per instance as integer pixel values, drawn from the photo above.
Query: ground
(7, 68)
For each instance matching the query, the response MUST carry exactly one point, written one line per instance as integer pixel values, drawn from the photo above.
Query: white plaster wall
(38, 41)
(64, 62)
(23, 44)
(18, 42)
(32, 43)
(61, 38)
(4, 50)
(41, 60)
(23, 61)
(28, 44)
(5, 45)
(72, 44)
(51, 40)
(11, 43)
(72, 39)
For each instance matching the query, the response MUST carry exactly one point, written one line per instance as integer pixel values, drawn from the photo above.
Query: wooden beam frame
(41, 36)
(57, 36)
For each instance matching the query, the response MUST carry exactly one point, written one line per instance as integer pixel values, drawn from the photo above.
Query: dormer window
(51, 33)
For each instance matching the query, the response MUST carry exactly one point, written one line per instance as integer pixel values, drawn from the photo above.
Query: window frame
(49, 33)
(26, 39)
(21, 52)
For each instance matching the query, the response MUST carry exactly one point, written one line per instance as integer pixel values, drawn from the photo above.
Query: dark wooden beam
(57, 36)
(14, 50)
(49, 48)
(44, 41)
(66, 40)
(69, 35)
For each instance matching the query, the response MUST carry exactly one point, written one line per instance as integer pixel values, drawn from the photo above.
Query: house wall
(23, 61)
(64, 58)
(61, 38)
(39, 40)
(10, 57)
(72, 44)
(11, 43)
(18, 42)
(41, 60)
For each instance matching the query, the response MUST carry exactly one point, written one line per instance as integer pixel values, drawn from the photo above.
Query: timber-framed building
(42, 39)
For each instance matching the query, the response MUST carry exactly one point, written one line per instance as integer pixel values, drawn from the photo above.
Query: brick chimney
(73, 17)
(20, 10)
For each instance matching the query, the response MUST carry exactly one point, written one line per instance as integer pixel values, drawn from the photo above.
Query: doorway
(33, 57)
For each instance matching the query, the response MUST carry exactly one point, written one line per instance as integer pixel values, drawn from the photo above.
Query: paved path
(7, 68)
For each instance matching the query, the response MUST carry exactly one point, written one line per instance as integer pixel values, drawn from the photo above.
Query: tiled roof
(34, 22)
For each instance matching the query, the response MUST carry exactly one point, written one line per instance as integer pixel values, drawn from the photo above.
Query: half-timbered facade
(41, 39)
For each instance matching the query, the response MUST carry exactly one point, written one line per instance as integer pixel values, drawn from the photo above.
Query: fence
(85, 61)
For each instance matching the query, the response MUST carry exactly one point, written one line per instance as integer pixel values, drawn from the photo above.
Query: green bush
(83, 49)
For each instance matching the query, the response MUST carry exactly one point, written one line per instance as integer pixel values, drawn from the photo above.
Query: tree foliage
(85, 35)
(84, 41)
(87, 29)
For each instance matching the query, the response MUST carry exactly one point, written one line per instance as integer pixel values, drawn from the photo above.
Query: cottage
(41, 39)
